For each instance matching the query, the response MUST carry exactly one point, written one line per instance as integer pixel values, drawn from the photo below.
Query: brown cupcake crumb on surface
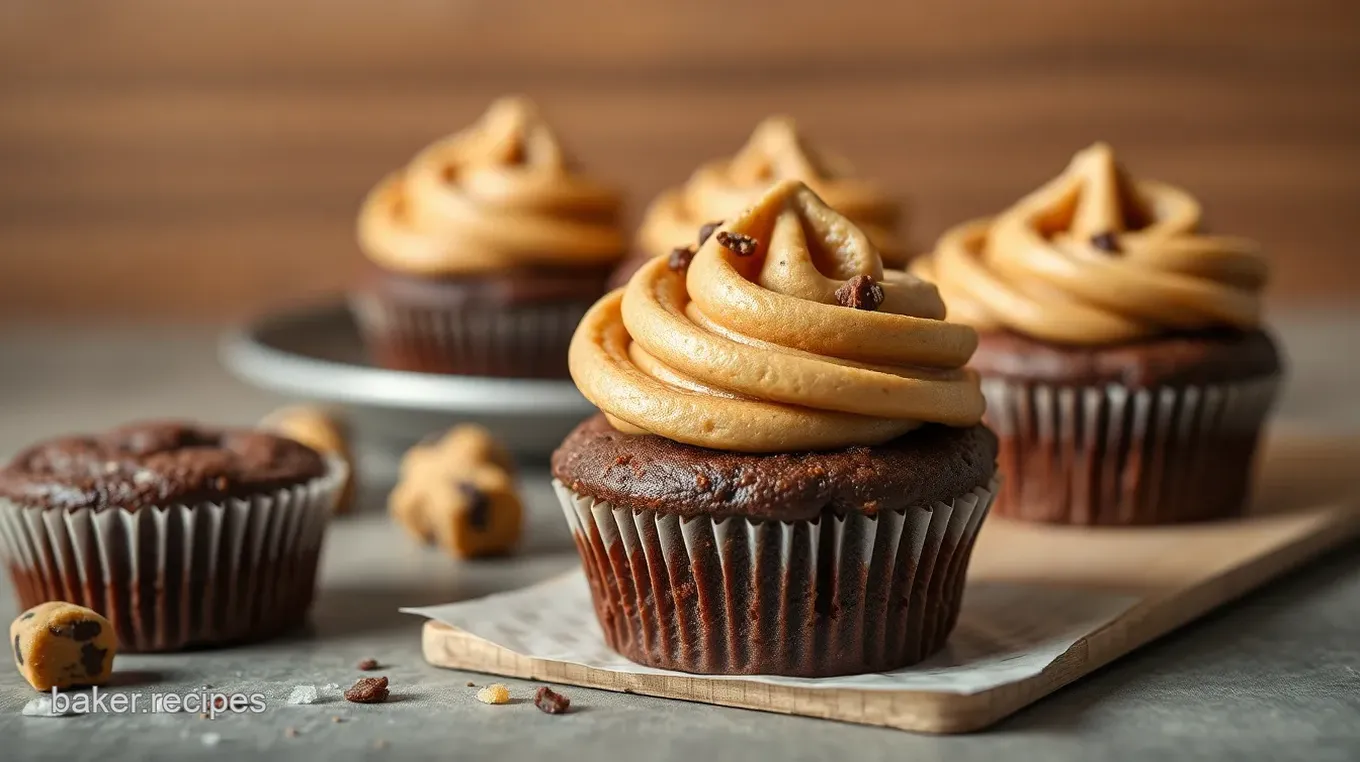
(550, 701)
(367, 665)
(367, 690)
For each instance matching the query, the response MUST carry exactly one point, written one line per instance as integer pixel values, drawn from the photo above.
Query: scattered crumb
(367, 665)
(291, 732)
(550, 701)
(368, 690)
(494, 694)
(42, 707)
(471, 684)
(331, 687)
(211, 739)
(304, 694)
(337, 720)
(204, 716)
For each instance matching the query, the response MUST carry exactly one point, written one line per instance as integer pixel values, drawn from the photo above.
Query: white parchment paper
(1006, 633)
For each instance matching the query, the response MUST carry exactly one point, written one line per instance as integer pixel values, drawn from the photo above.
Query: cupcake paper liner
(1110, 455)
(177, 576)
(832, 596)
(528, 341)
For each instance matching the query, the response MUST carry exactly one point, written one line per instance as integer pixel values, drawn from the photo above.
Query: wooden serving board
(1305, 503)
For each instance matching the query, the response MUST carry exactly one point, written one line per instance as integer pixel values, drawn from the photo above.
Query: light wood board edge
(923, 712)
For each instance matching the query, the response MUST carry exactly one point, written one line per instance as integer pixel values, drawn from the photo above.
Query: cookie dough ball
(62, 645)
(459, 492)
(322, 431)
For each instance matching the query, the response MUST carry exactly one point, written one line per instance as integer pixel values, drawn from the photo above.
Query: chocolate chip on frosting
(680, 258)
(1106, 241)
(737, 243)
(861, 292)
(707, 230)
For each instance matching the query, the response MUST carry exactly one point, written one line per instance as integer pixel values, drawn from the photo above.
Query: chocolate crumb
(738, 243)
(86, 630)
(707, 230)
(681, 256)
(550, 701)
(860, 292)
(367, 665)
(1106, 241)
(291, 732)
(471, 684)
(367, 690)
(479, 505)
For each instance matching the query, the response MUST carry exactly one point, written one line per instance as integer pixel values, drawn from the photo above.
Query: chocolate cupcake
(484, 252)
(789, 472)
(181, 536)
(776, 151)
(1121, 349)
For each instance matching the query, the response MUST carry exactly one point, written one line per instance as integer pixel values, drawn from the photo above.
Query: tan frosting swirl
(1093, 258)
(497, 195)
(755, 353)
(775, 151)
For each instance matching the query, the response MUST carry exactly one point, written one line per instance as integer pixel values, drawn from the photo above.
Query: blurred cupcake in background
(485, 251)
(1121, 349)
(724, 188)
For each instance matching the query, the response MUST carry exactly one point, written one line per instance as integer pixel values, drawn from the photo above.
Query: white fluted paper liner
(1111, 455)
(1007, 633)
(523, 340)
(175, 576)
(839, 595)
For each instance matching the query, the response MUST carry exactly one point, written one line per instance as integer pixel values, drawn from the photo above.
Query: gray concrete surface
(1274, 676)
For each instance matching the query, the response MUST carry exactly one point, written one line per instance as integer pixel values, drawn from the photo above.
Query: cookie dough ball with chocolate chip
(321, 430)
(62, 645)
(458, 491)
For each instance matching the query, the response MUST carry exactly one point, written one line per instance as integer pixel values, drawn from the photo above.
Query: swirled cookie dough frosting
(775, 151)
(499, 195)
(782, 333)
(1094, 257)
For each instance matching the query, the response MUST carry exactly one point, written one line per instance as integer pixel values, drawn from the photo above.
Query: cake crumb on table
(367, 690)
(367, 665)
(494, 694)
(550, 701)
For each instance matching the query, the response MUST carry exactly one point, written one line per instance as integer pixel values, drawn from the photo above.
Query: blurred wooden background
(203, 160)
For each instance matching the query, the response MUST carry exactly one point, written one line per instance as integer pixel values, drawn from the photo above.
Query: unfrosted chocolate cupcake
(1121, 348)
(801, 500)
(180, 535)
(777, 150)
(484, 252)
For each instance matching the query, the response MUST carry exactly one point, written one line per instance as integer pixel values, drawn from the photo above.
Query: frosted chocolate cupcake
(1123, 361)
(179, 535)
(485, 251)
(776, 151)
(788, 472)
